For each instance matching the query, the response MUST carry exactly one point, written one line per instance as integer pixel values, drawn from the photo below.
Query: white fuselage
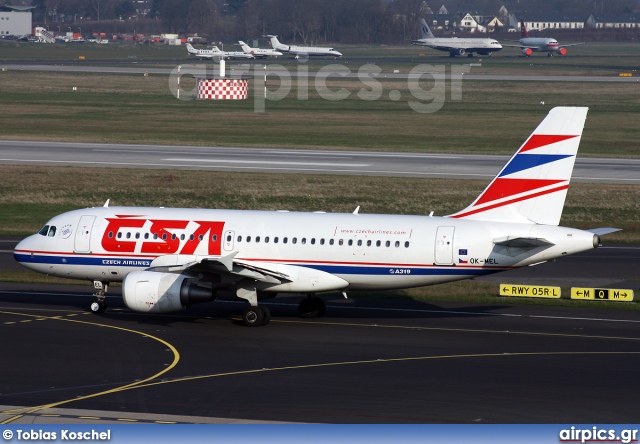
(366, 251)
(541, 44)
(468, 45)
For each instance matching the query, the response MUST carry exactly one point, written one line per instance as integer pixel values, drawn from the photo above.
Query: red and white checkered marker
(223, 89)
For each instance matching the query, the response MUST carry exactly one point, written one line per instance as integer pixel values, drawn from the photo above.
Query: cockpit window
(52, 231)
(44, 230)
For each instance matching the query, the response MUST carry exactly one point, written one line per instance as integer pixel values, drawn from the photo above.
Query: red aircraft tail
(523, 30)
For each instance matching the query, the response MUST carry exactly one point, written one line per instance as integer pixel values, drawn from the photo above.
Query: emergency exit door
(444, 246)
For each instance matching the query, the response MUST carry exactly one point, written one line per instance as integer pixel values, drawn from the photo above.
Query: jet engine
(562, 51)
(527, 52)
(155, 292)
(456, 51)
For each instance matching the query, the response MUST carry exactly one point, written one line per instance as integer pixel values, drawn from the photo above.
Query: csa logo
(66, 231)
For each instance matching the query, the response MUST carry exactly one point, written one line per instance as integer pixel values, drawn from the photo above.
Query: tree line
(295, 21)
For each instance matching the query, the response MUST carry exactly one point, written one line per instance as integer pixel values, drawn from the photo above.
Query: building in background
(15, 20)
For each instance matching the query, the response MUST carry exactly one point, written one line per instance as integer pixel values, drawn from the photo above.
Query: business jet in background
(529, 45)
(216, 54)
(298, 51)
(454, 45)
(259, 53)
(171, 258)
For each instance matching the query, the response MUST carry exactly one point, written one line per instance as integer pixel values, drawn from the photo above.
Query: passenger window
(340, 242)
(52, 231)
(137, 235)
(146, 235)
(173, 236)
(406, 244)
(350, 242)
(266, 240)
(248, 238)
(397, 244)
(359, 243)
(330, 241)
(164, 236)
(44, 230)
(275, 240)
(229, 238)
(387, 244)
(257, 239)
(368, 243)
(239, 238)
(191, 237)
(322, 241)
(304, 240)
(128, 236)
(119, 235)
(155, 236)
(110, 234)
(378, 243)
(294, 240)
(214, 238)
(284, 240)
(313, 241)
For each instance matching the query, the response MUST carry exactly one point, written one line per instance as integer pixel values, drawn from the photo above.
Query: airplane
(529, 45)
(259, 52)
(216, 54)
(298, 51)
(170, 258)
(454, 45)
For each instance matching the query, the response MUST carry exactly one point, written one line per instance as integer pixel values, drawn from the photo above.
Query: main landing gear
(312, 307)
(99, 305)
(257, 315)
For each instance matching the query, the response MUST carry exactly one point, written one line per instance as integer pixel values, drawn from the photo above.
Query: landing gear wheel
(312, 308)
(267, 314)
(98, 307)
(253, 316)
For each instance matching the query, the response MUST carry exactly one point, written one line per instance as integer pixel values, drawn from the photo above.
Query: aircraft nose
(23, 252)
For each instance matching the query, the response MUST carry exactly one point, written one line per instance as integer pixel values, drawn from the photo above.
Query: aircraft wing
(173, 263)
(506, 45)
(571, 44)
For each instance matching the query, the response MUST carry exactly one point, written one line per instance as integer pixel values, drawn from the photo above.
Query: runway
(368, 361)
(279, 160)
(257, 70)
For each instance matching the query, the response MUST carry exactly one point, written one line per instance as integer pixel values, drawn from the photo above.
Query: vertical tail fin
(424, 29)
(275, 43)
(523, 30)
(532, 186)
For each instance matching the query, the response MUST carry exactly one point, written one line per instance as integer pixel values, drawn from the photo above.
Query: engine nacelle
(456, 52)
(527, 52)
(154, 292)
(562, 51)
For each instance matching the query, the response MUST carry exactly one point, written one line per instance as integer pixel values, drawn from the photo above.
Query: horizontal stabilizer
(603, 231)
(522, 242)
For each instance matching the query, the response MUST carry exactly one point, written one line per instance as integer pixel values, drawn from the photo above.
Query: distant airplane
(259, 53)
(171, 258)
(302, 50)
(454, 45)
(529, 45)
(216, 54)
